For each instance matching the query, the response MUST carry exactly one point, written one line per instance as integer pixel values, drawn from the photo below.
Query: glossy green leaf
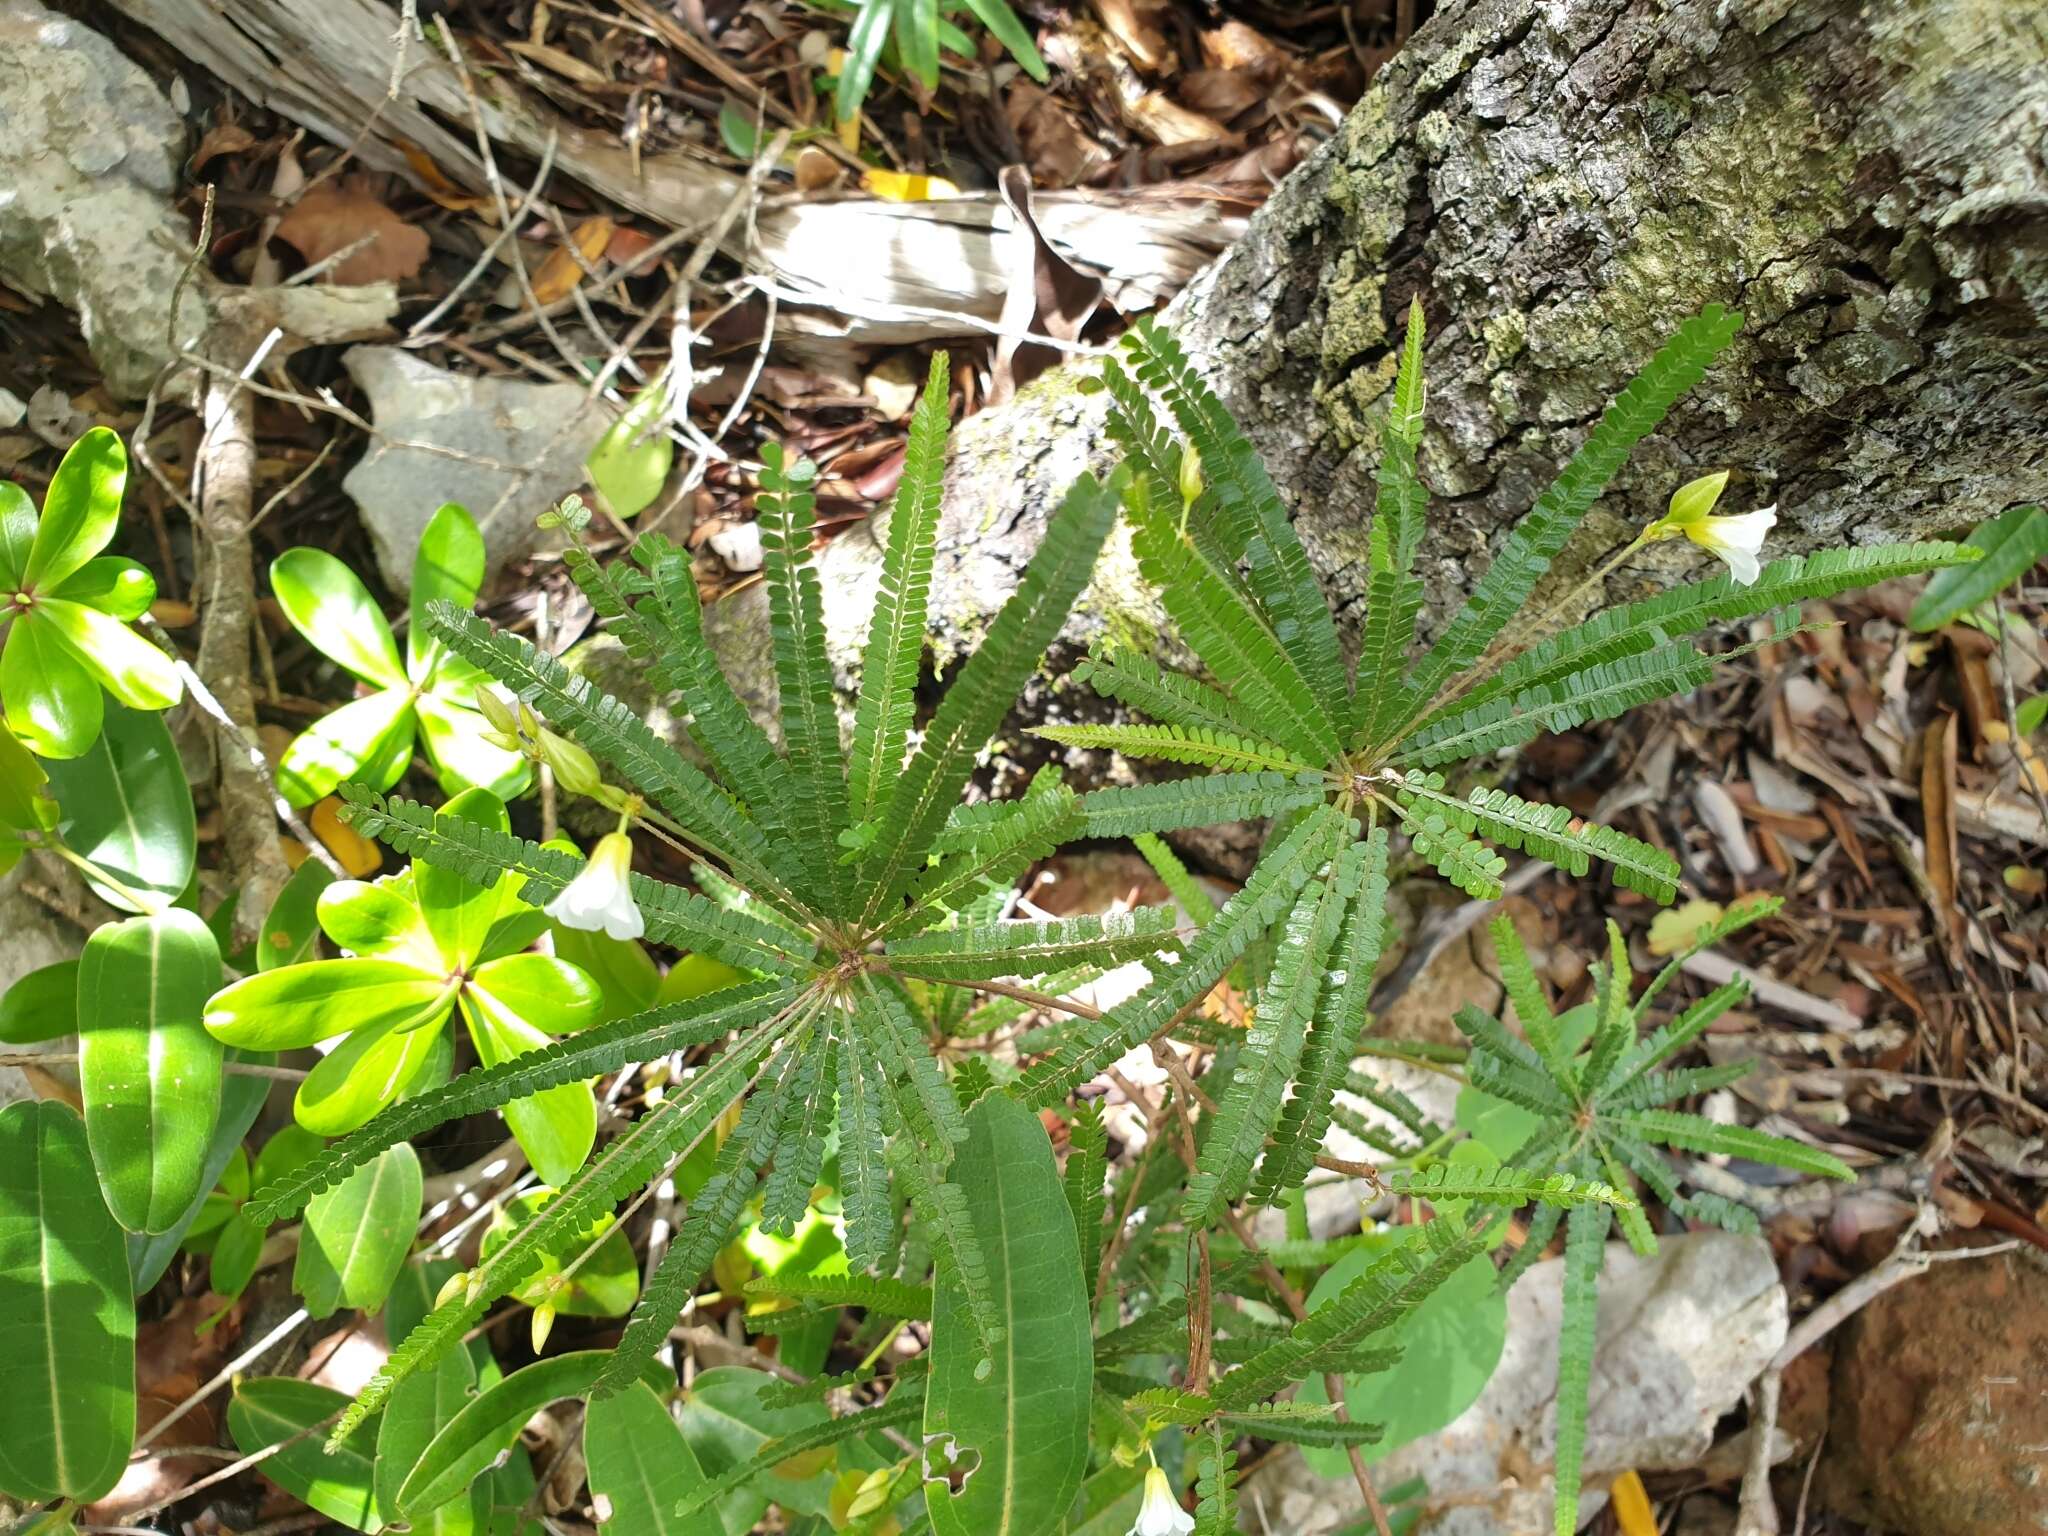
(370, 1070)
(122, 588)
(291, 929)
(630, 463)
(67, 1417)
(80, 509)
(625, 973)
(368, 741)
(125, 664)
(2011, 544)
(41, 1005)
(301, 1005)
(25, 805)
(421, 1407)
(448, 568)
(378, 919)
(460, 912)
(52, 703)
(557, 1126)
(641, 1466)
(290, 1148)
(454, 737)
(489, 1425)
(356, 1235)
(1027, 1418)
(272, 1410)
(126, 805)
(18, 519)
(149, 1072)
(328, 604)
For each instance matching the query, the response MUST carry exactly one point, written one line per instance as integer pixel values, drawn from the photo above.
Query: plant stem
(150, 904)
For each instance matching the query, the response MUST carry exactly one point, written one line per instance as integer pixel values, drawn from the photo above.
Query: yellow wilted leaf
(899, 187)
(352, 851)
(561, 272)
(1632, 1506)
(2028, 882)
(1677, 928)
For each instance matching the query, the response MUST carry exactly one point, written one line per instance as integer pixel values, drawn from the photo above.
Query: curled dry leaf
(435, 183)
(222, 139)
(331, 218)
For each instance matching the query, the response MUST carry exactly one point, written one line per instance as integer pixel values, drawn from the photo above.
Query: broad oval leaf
(368, 741)
(269, 1410)
(149, 1071)
(328, 604)
(2010, 543)
(448, 568)
(725, 1424)
(53, 704)
(126, 805)
(241, 1101)
(421, 1407)
(80, 509)
(356, 1235)
(631, 461)
(460, 912)
(490, 1424)
(41, 1005)
(371, 1069)
(641, 1466)
(301, 1005)
(67, 1417)
(1027, 1418)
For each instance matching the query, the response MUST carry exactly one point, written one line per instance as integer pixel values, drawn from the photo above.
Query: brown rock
(1940, 1404)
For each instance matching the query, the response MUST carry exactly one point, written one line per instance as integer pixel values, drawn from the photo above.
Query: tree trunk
(1563, 183)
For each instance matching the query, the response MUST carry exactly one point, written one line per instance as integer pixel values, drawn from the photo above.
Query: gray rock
(540, 433)
(89, 153)
(1682, 1335)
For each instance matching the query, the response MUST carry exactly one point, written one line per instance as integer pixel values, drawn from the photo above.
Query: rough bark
(1562, 183)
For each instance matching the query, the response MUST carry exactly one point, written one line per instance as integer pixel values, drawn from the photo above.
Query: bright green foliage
(1025, 1416)
(1282, 728)
(357, 1234)
(25, 807)
(631, 461)
(65, 608)
(423, 944)
(127, 807)
(908, 34)
(338, 1480)
(67, 1419)
(430, 696)
(856, 897)
(1598, 1115)
(149, 1072)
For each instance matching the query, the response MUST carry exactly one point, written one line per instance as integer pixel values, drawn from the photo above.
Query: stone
(541, 433)
(1938, 1416)
(89, 156)
(1681, 1337)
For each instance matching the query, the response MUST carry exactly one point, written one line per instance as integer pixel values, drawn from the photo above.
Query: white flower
(1161, 1514)
(600, 899)
(1736, 540)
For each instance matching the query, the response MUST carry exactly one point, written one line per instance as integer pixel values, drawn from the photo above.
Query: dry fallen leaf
(435, 183)
(331, 218)
(221, 139)
(562, 271)
(1938, 801)
(900, 187)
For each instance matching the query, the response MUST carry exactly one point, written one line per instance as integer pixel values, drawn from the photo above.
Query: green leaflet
(149, 1072)
(2010, 544)
(1198, 744)
(1250, 1103)
(1270, 890)
(68, 1416)
(1679, 364)
(1026, 1416)
(1197, 802)
(986, 688)
(1584, 1247)
(895, 648)
(1027, 948)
